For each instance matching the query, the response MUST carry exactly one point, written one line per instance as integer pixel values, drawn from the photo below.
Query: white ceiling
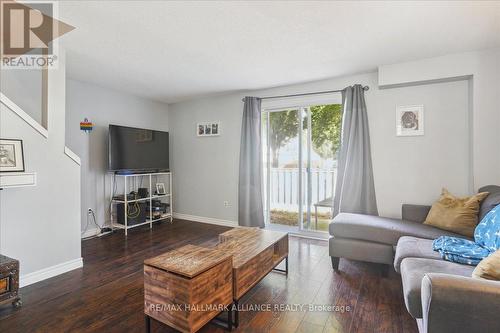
(173, 51)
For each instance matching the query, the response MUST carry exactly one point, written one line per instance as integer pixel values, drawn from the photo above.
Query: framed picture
(11, 155)
(410, 120)
(208, 129)
(215, 129)
(160, 189)
(201, 130)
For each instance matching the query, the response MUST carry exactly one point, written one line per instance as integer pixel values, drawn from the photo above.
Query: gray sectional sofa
(441, 295)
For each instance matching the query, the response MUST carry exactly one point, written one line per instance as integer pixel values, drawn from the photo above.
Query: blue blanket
(464, 251)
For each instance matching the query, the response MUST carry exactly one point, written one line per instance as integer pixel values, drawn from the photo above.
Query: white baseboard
(27, 279)
(209, 220)
(91, 232)
(202, 219)
(229, 223)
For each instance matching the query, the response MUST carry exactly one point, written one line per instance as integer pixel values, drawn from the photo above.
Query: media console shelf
(133, 210)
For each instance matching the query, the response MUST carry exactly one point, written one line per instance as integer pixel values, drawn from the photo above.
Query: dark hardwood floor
(106, 295)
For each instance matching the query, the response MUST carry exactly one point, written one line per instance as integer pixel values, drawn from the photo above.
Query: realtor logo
(29, 34)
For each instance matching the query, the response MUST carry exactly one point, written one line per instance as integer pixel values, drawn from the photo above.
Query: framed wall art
(11, 155)
(208, 128)
(410, 120)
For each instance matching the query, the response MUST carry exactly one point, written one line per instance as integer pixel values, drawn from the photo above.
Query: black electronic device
(135, 150)
(121, 197)
(158, 208)
(136, 213)
(142, 192)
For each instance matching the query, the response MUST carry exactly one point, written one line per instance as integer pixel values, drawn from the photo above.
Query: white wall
(40, 225)
(414, 169)
(483, 68)
(407, 169)
(24, 87)
(103, 106)
(205, 169)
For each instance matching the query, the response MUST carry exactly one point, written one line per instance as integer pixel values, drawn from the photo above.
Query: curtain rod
(307, 94)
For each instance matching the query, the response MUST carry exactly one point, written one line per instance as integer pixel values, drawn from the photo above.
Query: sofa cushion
(491, 201)
(413, 247)
(412, 273)
(489, 267)
(381, 229)
(415, 213)
(459, 215)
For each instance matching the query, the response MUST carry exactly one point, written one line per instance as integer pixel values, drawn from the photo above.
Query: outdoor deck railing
(284, 186)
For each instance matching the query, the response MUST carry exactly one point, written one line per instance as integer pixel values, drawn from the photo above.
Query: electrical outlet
(89, 211)
(226, 203)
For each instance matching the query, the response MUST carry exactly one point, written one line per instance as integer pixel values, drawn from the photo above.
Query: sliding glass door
(281, 138)
(300, 148)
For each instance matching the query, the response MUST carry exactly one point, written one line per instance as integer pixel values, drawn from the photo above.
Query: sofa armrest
(415, 213)
(452, 303)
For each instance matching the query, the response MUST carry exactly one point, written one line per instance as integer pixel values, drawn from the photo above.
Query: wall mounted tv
(134, 150)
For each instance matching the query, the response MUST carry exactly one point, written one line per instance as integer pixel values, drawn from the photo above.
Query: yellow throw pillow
(458, 215)
(488, 268)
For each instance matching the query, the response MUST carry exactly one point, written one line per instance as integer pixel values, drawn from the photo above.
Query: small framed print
(201, 130)
(160, 189)
(410, 120)
(208, 129)
(11, 155)
(215, 129)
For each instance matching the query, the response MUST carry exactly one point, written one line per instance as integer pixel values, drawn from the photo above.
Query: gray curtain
(355, 191)
(250, 207)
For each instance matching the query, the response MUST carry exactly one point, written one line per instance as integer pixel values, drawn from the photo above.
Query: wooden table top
(242, 243)
(189, 260)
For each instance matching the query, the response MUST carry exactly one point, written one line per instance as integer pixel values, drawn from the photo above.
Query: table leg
(236, 314)
(147, 320)
(225, 324)
(230, 318)
(286, 266)
(283, 270)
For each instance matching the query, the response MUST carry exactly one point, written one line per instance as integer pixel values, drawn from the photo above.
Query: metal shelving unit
(129, 182)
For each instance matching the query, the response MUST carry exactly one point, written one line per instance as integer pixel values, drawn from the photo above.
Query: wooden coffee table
(188, 287)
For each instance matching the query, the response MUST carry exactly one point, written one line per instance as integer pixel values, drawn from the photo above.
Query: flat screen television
(137, 150)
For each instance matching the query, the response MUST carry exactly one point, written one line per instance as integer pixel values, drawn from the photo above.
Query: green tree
(326, 129)
(284, 126)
